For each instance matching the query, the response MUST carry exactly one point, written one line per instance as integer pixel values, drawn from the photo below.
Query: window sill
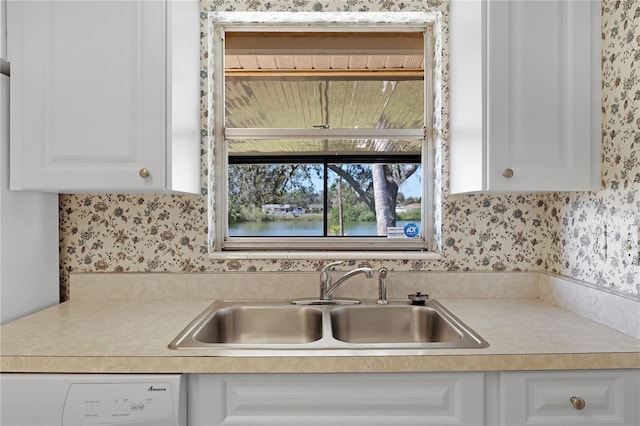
(326, 255)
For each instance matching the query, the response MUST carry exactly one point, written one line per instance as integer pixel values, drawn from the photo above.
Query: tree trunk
(386, 181)
(382, 208)
(340, 221)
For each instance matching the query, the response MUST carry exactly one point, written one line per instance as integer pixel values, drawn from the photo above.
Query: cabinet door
(525, 95)
(545, 398)
(87, 94)
(336, 399)
(543, 95)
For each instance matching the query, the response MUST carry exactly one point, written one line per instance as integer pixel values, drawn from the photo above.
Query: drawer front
(545, 398)
(337, 399)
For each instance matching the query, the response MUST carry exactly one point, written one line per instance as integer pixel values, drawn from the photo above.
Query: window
(322, 142)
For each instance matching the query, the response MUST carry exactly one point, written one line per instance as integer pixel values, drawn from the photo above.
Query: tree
(376, 187)
(302, 196)
(359, 178)
(255, 185)
(384, 180)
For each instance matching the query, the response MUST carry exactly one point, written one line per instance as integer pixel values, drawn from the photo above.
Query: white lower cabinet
(337, 399)
(604, 397)
(600, 397)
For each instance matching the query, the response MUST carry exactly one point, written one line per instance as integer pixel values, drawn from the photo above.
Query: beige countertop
(123, 336)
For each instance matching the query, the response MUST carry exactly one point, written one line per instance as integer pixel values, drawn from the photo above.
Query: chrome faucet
(325, 278)
(327, 287)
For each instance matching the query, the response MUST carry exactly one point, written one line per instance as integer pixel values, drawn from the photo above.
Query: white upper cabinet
(105, 95)
(525, 95)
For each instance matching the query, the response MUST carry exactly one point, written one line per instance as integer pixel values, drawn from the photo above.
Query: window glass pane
(275, 147)
(288, 200)
(300, 104)
(375, 146)
(275, 200)
(322, 147)
(367, 199)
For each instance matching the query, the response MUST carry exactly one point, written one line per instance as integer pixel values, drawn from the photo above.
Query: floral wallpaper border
(554, 232)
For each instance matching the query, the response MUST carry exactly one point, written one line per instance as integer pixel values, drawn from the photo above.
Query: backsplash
(578, 215)
(168, 233)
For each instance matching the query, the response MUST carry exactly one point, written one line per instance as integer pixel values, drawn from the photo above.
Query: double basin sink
(271, 328)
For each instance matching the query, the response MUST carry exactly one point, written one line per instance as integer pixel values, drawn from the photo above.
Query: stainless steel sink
(252, 324)
(392, 324)
(277, 328)
(262, 325)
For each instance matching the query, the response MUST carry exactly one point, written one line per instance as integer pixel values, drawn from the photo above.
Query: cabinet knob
(144, 173)
(508, 173)
(577, 402)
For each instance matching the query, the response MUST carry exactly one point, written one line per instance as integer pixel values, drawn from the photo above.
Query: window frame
(223, 22)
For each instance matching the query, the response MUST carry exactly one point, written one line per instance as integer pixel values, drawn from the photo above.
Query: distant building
(282, 209)
(408, 207)
(316, 208)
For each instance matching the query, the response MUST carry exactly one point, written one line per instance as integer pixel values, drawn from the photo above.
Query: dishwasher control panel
(93, 399)
(104, 403)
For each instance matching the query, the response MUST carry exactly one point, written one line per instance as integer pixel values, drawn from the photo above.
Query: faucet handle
(325, 279)
(325, 275)
(330, 266)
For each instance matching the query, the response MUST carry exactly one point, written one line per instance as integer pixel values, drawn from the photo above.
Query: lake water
(292, 228)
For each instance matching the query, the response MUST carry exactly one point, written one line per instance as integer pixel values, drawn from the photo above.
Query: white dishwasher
(93, 399)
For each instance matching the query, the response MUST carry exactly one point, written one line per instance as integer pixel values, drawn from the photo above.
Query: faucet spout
(329, 291)
(382, 286)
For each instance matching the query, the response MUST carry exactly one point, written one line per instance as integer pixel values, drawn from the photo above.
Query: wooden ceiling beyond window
(325, 55)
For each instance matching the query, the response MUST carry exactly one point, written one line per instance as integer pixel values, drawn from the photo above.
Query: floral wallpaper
(581, 219)
(556, 232)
